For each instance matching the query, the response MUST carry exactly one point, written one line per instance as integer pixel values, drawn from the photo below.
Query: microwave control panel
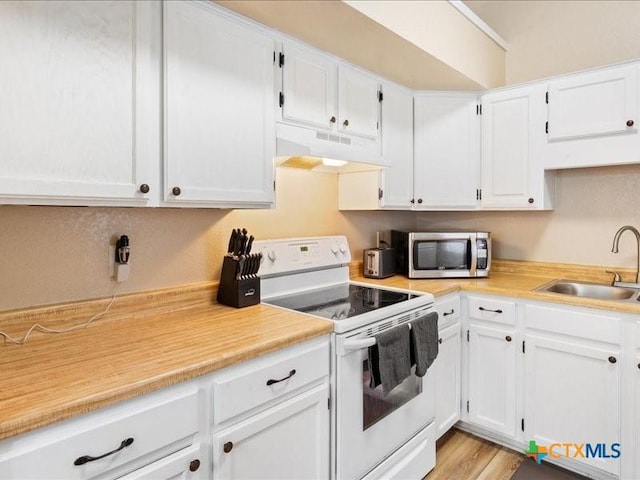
(483, 250)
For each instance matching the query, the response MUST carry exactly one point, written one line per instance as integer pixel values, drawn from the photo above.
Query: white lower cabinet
(288, 441)
(572, 383)
(271, 416)
(492, 364)
(556, 375)
(447, 364)
(636, 383)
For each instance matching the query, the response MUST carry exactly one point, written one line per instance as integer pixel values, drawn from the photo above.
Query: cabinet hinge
(546, 127)
(523, 347)
(467, 406)
(281, 99)
(546, 97)
(467, 341)
(380, 194)
(522, 424)
(380, 96)
(281, 60)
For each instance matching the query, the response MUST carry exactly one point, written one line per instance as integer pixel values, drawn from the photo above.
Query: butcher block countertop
(152, 340)
(135, 349)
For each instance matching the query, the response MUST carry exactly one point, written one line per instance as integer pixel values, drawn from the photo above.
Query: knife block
(235, 291)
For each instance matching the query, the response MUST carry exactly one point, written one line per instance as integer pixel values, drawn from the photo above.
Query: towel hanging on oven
(424, 342)
(389, 358)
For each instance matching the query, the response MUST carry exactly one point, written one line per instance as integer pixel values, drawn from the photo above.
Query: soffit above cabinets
(455, 56)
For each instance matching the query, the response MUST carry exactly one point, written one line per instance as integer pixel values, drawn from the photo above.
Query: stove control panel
(292, 255)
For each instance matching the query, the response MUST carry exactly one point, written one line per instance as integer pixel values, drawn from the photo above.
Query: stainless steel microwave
(442, 254)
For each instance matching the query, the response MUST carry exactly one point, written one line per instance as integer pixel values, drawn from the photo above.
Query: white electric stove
(373, 435)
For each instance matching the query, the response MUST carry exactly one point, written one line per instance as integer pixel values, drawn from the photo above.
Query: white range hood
(301, 147)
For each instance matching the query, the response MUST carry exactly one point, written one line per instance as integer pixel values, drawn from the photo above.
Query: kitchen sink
(598, 291)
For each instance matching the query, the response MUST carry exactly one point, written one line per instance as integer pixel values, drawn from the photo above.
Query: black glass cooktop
(340, 302)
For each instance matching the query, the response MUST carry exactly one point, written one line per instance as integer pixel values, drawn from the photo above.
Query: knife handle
(249, 244)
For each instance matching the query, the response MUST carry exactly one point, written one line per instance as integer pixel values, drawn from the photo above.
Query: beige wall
(552, 37)
(57, 254)
(591, 204)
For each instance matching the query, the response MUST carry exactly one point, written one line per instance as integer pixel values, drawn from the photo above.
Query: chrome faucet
(614, 249)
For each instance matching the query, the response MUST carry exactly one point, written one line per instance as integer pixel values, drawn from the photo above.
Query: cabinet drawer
(492, 310)
(593, 326)
(158, 427)
(448, 311)
(245, 387)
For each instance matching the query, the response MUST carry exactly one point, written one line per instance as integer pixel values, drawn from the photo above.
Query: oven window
(441, 254)
(376, 405)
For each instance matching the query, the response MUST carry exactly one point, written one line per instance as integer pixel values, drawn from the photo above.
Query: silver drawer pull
(87, 458)
(272, 381)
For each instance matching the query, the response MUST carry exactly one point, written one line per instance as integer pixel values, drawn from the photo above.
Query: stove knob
(343, 248)
(272, 255)
(334, 248)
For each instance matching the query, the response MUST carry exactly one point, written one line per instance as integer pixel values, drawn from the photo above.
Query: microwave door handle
(474, 255)
(353, 345)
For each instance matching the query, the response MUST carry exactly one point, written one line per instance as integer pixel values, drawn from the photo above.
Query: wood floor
(461, 456)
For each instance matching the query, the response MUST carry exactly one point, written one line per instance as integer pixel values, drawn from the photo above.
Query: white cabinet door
(358, 103)
(512, 135)
(80, 109)
(572, 391)
(219, 109)
(309, 83)
(397, 148)
(492, 378)
(288, 441)
(597, 103)
(637, 409)
(506, 148)
(187, 464)
(447, 366)
(447, 151)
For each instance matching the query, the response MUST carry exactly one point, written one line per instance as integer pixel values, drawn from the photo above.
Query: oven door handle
(353, 345)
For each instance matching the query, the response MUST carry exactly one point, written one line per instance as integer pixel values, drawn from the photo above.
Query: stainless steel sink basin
(598, 291)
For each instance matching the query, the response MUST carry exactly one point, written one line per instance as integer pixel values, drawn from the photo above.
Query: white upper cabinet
(603, 102)
(511, 174)
(593, 118)
(358, 103)
(309, 83)
(80, 111)
(219, 109)
(447, 150)
(321, 93)
(392, 187)
(397, 148)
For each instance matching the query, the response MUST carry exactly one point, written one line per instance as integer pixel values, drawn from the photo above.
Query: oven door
(370, 425)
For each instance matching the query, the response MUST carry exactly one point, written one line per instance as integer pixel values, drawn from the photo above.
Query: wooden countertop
(515, 279)
(152, 340)
(54, 377)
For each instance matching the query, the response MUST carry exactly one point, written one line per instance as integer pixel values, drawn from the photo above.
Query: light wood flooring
(461, 456)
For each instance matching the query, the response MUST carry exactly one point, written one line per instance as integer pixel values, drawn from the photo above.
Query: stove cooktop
(340, 302)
